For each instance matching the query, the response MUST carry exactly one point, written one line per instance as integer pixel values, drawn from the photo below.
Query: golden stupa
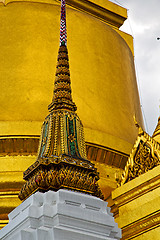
(103, 83)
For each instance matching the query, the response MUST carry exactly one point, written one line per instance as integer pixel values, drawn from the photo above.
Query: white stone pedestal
(62, 215)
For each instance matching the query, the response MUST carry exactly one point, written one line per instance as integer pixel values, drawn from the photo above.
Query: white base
(62, 215)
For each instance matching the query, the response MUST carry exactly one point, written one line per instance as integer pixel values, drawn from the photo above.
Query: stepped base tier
(61, 215)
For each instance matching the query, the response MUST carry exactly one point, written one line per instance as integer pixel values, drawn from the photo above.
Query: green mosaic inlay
(44, 139)
(72, 144)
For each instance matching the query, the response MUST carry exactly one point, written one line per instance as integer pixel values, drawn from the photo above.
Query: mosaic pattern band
(28, 145)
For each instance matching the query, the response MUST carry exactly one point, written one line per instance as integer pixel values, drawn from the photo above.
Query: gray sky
(144, 25)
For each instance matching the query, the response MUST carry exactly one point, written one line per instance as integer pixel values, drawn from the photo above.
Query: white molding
(61, 215)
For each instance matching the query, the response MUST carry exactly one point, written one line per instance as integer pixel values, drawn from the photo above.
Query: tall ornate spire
(62, 98)
(61, 161)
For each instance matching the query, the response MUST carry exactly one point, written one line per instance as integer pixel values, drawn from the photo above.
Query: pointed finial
(63, 30)
(62, 96)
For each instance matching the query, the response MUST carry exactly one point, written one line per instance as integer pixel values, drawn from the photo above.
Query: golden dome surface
(102, 73)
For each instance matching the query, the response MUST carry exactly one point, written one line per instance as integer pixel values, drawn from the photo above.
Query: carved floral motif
(144, 157)
(64, 177)
(143, 161)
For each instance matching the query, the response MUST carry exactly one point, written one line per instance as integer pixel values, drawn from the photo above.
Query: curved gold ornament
(144, 157)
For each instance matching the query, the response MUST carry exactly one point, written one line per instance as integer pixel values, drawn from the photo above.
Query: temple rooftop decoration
(136, 200)
(145, 155)
(62, 161)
